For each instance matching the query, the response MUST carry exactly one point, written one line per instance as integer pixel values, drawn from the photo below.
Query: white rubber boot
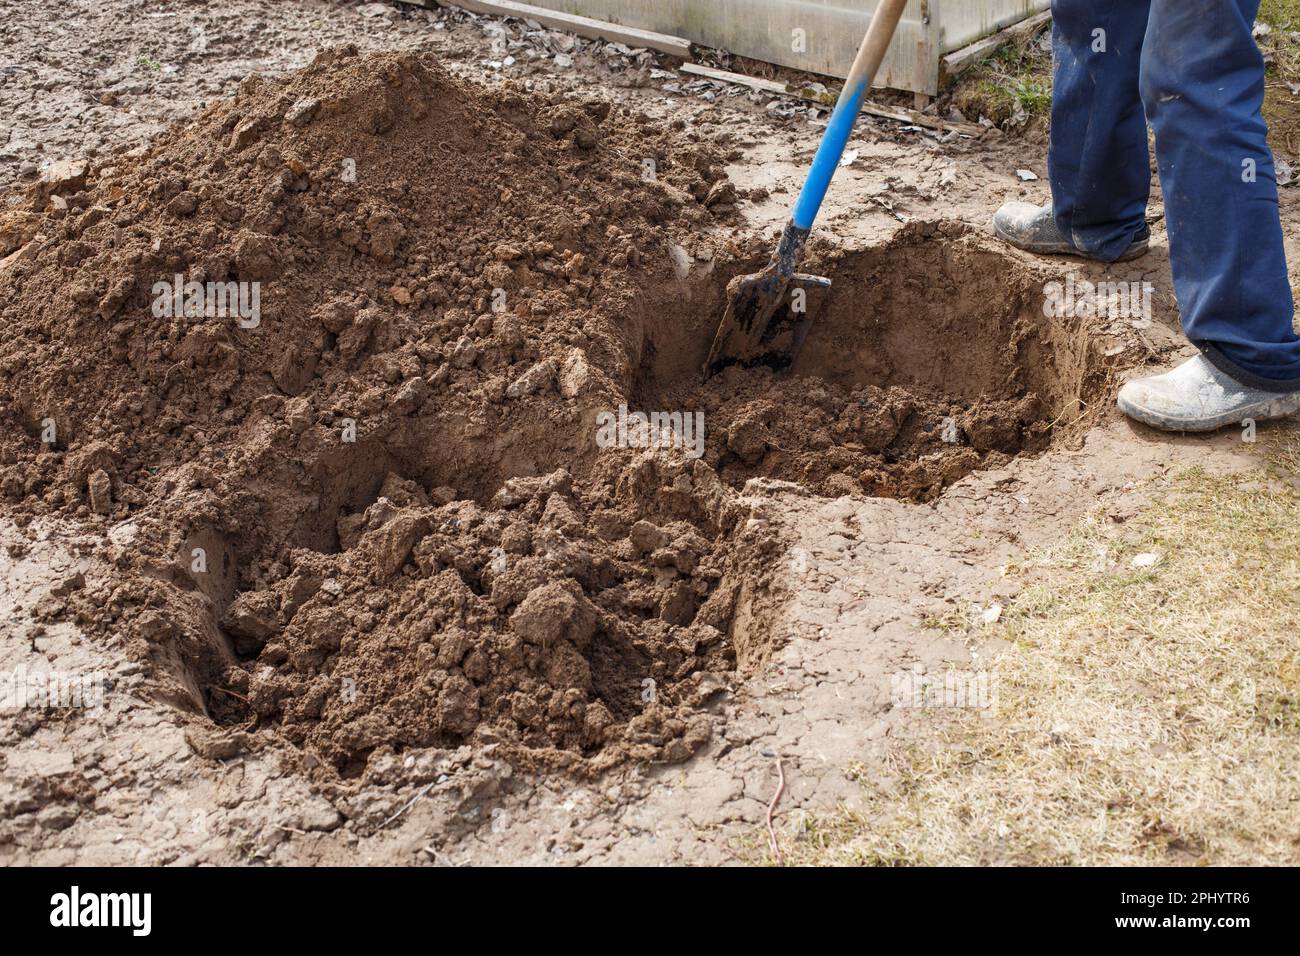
(1197, 397)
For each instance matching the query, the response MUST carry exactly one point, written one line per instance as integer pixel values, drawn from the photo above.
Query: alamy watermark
(1114, 301)
(953, 689)
(624, 429)
(128, 910)
(21, 688)
(208, 300)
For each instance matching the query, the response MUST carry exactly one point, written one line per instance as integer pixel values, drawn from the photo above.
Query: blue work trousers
(1192, 70)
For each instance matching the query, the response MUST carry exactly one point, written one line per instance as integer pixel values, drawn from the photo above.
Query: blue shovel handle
(874, 44)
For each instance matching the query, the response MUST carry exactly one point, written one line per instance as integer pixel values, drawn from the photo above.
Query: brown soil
(929, 359)
(474, 566)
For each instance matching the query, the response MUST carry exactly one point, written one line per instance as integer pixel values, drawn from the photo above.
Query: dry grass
(1016, 81)
(1281, 48)
(1014, 84)
(1145, 715)
(1280, 14)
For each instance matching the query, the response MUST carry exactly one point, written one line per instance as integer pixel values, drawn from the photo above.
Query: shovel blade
(767, 319)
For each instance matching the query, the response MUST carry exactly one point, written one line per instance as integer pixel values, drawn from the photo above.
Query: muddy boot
(1033, 229)
(1197, 397)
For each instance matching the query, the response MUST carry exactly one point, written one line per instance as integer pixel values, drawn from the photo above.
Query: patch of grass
(1145, 715)
(1013, 84)
(1031, 96)
(1281, 14)
(1281, 48)
(148, 63)
(950, 621)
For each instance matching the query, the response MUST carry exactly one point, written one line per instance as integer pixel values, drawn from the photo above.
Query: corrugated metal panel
(830, 30)
(962, 22)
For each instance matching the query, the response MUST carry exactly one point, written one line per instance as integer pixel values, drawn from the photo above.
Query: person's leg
(1098, 164)
(1203, 85)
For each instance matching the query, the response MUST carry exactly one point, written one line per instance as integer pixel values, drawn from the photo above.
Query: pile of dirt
(348, 372)
(364, 503)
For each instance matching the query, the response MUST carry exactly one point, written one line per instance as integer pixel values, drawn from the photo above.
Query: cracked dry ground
(492, 588)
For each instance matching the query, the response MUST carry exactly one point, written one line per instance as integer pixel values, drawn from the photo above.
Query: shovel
(767, 317)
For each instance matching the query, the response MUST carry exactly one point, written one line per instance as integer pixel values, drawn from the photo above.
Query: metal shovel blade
(767, 319)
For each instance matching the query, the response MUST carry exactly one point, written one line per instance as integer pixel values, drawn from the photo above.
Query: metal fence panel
(820, 36)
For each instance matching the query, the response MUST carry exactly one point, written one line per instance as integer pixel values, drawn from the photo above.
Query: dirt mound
(359, 498)
(385, 391)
